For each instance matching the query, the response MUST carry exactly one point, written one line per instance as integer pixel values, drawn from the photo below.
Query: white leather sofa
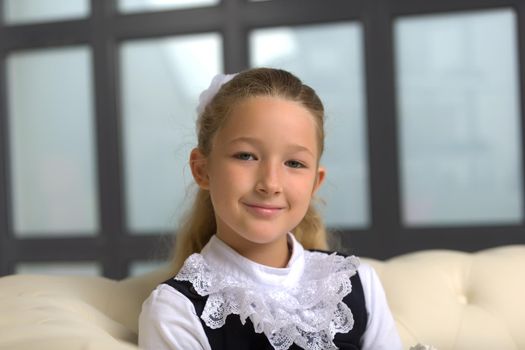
(451, 300)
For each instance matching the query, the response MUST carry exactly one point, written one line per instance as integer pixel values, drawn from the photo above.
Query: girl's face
(262, 170)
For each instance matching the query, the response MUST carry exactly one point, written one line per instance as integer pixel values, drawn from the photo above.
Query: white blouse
(168, 320)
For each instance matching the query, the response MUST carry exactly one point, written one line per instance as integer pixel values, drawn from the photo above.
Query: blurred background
(97, 115)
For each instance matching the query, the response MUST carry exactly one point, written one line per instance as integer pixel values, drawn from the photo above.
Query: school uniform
(222, 300)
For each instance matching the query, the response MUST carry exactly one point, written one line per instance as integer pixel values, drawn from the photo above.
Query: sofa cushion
(452, 300)
(457, 300)
(50, 312)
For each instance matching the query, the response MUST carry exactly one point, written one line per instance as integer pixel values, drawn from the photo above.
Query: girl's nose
(269, 179)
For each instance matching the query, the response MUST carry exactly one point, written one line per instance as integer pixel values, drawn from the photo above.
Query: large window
(50, 119)
(424, 124)
(459, 118)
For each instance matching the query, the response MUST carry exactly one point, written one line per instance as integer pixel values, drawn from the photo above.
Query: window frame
(114, 247)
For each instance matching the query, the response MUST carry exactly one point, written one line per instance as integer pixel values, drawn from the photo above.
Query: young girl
(249, 270)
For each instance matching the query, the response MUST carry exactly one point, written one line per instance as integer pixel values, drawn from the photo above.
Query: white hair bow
(207, 95)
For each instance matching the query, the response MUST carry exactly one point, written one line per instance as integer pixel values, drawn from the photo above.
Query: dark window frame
(113, 246)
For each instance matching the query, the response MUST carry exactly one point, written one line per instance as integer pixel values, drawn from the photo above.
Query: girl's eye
(244, 156)
(295, 164)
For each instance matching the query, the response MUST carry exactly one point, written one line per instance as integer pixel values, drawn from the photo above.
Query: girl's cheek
(301, 185)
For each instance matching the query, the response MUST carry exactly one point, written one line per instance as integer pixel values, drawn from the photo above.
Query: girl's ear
(199, 168)
(321, 173)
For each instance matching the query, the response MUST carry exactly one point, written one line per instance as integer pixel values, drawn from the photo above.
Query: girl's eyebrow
(257, 142)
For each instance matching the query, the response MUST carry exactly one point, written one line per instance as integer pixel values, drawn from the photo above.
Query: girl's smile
(267, 211)
(261, 172)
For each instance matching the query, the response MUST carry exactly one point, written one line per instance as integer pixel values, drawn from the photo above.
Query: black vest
(235, 335)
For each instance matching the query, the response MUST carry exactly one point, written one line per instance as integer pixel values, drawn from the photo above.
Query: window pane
(138, 268)
(60, 268)
(459, 114)
(27, 11)
(329, 58)
(51, 142)
(159, 5)
(161, 83)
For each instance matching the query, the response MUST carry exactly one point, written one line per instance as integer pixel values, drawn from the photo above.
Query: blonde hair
(199, 224)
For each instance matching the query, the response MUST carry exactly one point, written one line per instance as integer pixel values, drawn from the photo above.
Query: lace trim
(309, 314)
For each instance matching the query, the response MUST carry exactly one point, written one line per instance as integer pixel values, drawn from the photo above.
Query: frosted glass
(138, 268)
(27, 11)
(161, 82)
(53, 170)
(60, 268)
(459, 118)
(330, 59)
(159, 5)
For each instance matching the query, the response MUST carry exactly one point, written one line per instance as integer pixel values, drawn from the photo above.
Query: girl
(246, 273)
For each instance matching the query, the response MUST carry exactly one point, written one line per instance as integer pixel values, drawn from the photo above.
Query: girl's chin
(261, 237)
(264, 238)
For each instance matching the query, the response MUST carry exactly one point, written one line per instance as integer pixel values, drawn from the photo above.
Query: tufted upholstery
(452, 300)
(456, 300)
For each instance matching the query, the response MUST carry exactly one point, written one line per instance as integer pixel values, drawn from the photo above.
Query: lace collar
(301, 303)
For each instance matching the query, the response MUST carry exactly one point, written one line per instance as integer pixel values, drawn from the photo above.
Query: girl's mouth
(263, 210)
